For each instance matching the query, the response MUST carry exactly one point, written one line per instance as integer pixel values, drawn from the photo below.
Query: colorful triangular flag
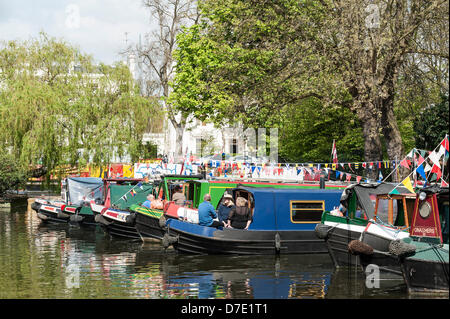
(407, 183)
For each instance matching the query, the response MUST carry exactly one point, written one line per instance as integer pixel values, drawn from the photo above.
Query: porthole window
(425, 210)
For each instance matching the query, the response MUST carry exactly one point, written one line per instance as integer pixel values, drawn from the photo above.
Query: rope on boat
(168, 240)
(399, 248)
(357, 247)
(277, 242)
(162, 221)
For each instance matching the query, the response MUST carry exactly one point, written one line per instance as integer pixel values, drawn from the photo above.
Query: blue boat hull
(196, 239)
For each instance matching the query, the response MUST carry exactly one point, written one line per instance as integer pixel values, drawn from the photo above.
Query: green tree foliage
(249, 60)
(12, 175)
(432, 125)
(57, 107)
(308, 128)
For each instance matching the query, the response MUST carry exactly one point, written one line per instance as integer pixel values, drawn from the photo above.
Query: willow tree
(57, 107)
(259, 56)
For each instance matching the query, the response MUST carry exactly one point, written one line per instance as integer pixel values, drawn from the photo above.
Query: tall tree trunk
(393, 139)
(179, 132)
(372, 143)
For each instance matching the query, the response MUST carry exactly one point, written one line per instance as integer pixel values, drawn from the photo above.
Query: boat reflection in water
(271, 277)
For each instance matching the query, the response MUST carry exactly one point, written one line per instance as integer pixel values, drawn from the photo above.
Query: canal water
(66, 262)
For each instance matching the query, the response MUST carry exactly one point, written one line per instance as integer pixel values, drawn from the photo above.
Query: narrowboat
(283, 222)
(150, 221)
(113, 214)
(363, 210)
(75, 192)
(422, 259)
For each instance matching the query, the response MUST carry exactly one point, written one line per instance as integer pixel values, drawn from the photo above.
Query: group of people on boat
(229, 215)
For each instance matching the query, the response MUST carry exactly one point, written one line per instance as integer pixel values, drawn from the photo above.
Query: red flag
(421, 160)
(444, 183)
(334, 153)
(438, 172)
(404, 163)
(444, 143)
(358, 179)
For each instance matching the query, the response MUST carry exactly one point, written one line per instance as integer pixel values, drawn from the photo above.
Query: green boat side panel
(155, 213)
(86, 210)
(326, 216)
(352, 206)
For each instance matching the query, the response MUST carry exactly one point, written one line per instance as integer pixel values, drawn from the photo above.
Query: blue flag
(421, 171)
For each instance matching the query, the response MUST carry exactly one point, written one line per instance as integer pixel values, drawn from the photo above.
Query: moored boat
(283, 222)
(113, 214)
(422, 259)
(150, 222)
(360, 216)
(75, 192)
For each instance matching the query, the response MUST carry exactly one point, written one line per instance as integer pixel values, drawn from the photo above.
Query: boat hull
(149, 227)
(118, 229)
(337, 244)
(425, 276)
(49, 213)
(196, 239)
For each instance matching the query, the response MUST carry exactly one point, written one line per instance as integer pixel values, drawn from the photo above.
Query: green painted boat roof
(429, 251)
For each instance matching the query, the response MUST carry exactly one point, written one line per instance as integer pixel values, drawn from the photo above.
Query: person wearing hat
(178, 196)
(224, 208)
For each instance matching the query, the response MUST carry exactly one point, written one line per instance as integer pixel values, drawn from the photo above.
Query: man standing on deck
(206, 213)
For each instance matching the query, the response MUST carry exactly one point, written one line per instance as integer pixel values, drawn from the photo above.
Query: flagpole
(443, 161)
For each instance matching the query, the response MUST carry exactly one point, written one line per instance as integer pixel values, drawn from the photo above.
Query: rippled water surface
(62, 261)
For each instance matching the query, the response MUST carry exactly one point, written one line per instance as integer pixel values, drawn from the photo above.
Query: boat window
(306, 211)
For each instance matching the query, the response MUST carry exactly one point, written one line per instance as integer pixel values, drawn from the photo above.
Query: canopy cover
(84, 189)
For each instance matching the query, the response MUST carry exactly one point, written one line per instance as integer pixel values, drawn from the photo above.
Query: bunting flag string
(436, 168)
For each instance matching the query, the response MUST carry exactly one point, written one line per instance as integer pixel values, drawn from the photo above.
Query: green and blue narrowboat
(151, 222)
(283, 223)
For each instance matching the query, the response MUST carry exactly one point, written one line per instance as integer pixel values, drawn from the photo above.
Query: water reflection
(62, 261)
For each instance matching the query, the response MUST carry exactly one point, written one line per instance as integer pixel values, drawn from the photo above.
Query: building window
(233, 146)
(306, 211)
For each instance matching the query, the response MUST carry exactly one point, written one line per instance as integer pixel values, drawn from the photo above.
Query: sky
(97, 27)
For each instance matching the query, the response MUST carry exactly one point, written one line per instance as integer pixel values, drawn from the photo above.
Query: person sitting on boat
(240, 216)
(206, 213)
(178, 196)
(148, 202)
(224, 208)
